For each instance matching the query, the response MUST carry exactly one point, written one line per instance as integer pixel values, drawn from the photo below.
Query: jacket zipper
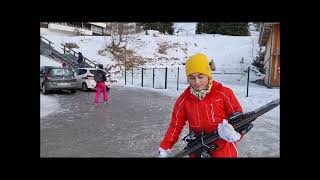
(212, 113)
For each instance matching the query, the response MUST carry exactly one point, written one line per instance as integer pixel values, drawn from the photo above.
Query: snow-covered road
(132, 124)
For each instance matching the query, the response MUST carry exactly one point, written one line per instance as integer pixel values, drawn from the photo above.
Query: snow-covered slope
(226, 51)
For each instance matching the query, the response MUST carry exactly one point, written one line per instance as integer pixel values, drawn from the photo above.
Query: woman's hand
(227, 132)
(163, 153)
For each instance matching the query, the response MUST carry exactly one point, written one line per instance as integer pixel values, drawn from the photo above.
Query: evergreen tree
(233, 29)
(162, 27)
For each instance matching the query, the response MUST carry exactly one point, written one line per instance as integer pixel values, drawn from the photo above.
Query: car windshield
(93, 71)
(61, 72)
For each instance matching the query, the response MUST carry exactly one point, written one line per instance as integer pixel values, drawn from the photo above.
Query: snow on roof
(99, 24)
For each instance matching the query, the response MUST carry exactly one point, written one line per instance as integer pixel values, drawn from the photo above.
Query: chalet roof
(265, 32)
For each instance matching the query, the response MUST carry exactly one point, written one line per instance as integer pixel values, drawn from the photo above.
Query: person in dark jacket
(100, 78)
(212, 65)
(80, 60)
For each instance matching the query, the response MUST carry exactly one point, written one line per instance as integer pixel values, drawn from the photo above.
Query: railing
(49, 42)
(68, 50)
(85, 60)
(169, 78)
(54, 54)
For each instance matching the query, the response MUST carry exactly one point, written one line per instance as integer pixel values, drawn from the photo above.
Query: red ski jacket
(205, 115)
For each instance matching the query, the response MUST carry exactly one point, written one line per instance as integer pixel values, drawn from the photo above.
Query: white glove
(227, 132)
(163, 153)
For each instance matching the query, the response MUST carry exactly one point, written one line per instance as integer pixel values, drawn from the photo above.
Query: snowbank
(48, 105)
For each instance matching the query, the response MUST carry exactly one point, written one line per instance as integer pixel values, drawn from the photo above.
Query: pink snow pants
(100, 86)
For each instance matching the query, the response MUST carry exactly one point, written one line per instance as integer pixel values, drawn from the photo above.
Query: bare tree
(119, 36)
(118, 47)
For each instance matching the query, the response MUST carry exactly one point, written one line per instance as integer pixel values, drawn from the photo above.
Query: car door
(41, 76)
(78, 78)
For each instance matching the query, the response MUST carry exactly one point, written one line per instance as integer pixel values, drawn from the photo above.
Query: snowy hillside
(226, 51)
(45, 61)
(185, 28)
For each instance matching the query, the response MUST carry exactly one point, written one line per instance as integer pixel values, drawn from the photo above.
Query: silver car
(57, 78)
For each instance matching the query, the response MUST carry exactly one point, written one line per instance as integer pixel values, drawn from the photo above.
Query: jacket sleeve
(95, 76)
(231, 104)
(178, 120)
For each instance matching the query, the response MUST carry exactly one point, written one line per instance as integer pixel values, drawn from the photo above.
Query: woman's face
(198, 81)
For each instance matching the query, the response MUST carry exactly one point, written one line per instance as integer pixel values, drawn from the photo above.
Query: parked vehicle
(57, 78)
(85, 79)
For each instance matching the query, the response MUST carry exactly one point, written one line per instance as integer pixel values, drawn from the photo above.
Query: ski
(242, 123)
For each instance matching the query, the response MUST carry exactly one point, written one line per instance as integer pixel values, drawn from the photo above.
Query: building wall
(272, 58)
(88, 28)
(44, 31)
(43, 24)
(68, 29)
(275, 82)
(96, 30)
(267, 64)
(268, 73)
(103, 25)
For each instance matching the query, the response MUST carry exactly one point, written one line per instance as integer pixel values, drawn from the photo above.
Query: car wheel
(44, 89)
(84, 87)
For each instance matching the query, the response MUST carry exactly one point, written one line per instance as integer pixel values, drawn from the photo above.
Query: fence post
(165, 84)
(248, 81)
(132, 75)
(125, 66)
(64, 49)
(153, 79)
(178, 80)
(125, 75)
(141, 77)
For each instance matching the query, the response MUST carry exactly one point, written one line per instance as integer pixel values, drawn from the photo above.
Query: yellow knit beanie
(198, 63)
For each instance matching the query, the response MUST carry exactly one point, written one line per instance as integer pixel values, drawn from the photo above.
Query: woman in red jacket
(206, 106)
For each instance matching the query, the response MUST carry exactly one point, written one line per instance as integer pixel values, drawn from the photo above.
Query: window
(93, 71)
(41, 70)
(81, 71)
(96, 29)
(61, 72)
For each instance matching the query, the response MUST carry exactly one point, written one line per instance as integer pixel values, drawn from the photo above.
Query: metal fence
(175, 78)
